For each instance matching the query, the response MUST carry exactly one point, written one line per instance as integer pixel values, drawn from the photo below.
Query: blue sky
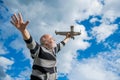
(94, 55)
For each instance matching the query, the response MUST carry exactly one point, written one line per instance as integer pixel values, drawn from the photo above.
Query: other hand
(18, 22)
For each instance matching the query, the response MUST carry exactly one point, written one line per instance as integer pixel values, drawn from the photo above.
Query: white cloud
(3, 50)
(64, 62)
(93, 20)
(8, 77)
(19, 44)
(103, 31)
(97, 68)
(5, 64)
(111, 10)
(80, 9)
(91, 70)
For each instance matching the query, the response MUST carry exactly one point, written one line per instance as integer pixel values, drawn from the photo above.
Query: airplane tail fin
(80, 31)
(73, 38)
(55, 32)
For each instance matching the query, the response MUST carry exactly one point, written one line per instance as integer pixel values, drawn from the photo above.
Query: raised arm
(62, 43)
(18, 22)
(67, 38)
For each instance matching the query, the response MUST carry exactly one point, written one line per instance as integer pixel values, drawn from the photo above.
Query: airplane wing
(61, 33)
(76, 33)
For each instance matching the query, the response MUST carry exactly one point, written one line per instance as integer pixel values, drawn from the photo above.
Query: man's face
(48, 41)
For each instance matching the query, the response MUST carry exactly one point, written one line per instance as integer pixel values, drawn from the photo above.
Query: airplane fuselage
(72, 33)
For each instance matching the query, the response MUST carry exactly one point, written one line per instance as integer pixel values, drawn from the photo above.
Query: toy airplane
(72, 33)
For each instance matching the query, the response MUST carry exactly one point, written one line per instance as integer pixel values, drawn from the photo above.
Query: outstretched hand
(18, 22)
(68, 35)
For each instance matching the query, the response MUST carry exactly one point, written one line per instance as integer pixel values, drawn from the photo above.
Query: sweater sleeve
(32, 46)
(59, 46)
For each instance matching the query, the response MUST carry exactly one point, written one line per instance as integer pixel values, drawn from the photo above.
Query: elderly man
(44, 55)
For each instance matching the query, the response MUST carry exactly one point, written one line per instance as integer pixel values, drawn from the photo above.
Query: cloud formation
(5, 64)
(103, 31)
(98, 68)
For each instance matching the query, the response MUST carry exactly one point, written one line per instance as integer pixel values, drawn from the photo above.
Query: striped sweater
(44, 60)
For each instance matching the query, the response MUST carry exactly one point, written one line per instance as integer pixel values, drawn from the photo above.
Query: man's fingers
(20, 17)
(12, 23)
(15, 17)
(26, 23)
(68, 34)
(17, 21)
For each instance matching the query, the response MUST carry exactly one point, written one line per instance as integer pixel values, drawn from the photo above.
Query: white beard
(53, 45)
